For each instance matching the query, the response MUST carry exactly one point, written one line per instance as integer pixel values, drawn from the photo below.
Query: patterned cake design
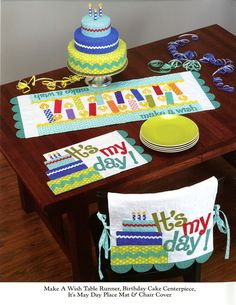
(138, 243)
(96, 48)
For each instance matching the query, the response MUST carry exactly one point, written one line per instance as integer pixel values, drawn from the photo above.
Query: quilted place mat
(92, 160)
(127, 101)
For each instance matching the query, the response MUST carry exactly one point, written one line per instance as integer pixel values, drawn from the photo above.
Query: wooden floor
(28, 252)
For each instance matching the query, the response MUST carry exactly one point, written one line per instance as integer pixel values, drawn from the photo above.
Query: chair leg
(193, 273)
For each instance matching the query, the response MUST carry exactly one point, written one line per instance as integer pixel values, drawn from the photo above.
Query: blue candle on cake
(100, 9)
(90, 9)
(95, 15)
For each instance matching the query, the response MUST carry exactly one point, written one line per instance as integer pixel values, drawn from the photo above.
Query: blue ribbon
(173, 45)
(223, 226)
(229, 68)
(210, 58)
(103, 242)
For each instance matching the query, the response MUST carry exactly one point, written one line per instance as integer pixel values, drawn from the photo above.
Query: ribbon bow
(103, 241)
(223, 227)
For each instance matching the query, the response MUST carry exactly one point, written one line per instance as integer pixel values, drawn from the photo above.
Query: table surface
(217, 127)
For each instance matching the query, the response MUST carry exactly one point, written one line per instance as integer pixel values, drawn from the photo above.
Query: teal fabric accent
(169, 98)
(123, 133)
(223, 227)
(99, 100)
(147, 157)
(103, 242)
(17, 117)
(138, 148)
(206, 89)
(20, 134)
(18, 125)
(185, 264)
(163, 267)
(131, 141)
(142, 268)
(97, 66)
(134, 83)
(202, 259)
(121, 268)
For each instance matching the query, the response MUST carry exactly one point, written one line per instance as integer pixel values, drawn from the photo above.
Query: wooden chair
(191, 274)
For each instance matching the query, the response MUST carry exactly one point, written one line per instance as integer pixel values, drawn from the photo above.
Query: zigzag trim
(139, 225)
(96, 30)
(65, 168)
(138, 236)
(58, 160)
(97, 66)
(96, 47)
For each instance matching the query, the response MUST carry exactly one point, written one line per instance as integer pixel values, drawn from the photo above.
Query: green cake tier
(97, 64)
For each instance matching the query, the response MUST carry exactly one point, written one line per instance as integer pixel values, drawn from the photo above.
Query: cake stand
(97, 80)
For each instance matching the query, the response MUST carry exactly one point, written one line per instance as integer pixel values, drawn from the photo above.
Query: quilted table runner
(92, 160)
(127, 101)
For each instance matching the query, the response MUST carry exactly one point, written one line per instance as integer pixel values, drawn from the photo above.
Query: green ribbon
(159, 66)
(104, 242)
(192, 65)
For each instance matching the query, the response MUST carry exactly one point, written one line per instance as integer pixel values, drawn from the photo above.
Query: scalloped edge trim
(132, 142)
(17, 118)
(206, 89)
(161, 267)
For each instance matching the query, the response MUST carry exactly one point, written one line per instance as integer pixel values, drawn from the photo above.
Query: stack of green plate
(169, 133)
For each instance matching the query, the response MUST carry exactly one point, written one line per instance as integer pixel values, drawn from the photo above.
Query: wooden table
(67, 215)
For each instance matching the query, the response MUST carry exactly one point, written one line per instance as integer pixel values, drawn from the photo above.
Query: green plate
(169, 130)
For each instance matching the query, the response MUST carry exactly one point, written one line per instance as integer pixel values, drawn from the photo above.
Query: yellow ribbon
(51, 84)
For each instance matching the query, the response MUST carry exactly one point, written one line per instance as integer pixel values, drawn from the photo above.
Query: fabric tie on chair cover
(223, 227)
(161, 230)
(103, 242)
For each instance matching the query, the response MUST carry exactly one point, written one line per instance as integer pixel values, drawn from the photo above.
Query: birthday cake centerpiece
(96, 49)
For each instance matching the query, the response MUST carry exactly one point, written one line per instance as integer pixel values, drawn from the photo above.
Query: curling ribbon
(218, 80)
(173, 45)
(51, 84)
(187, 61)
(192, 65)
(210, 58)
(225, 66)
(189, 65)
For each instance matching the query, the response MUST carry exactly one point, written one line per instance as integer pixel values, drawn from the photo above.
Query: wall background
(34, 34)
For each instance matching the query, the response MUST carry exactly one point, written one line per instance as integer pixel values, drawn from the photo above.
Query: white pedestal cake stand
(97, 80)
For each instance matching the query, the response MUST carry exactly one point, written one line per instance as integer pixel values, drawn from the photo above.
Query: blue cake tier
(99, 45)
(138, 238)
(96, 28)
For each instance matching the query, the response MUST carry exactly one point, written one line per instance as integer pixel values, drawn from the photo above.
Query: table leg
(27, 200)
(80, 244)
(193, 273)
